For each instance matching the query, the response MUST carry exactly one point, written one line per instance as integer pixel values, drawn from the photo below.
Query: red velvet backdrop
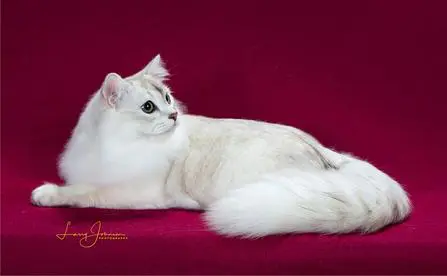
(368, 77)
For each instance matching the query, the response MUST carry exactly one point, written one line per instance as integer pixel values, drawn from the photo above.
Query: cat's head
(143, 99)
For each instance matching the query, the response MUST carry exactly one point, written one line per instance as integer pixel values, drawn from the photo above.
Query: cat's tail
(355, 197)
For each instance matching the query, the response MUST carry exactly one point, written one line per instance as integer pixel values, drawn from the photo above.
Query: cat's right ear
(156, 68)
(111, 89)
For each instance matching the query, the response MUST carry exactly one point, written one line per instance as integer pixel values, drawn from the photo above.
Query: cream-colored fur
(252, 178)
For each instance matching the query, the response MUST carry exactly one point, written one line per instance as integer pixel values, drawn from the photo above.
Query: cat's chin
(172, 128)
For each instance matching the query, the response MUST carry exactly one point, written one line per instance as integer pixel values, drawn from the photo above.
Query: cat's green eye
(148, 107)
(168, 99)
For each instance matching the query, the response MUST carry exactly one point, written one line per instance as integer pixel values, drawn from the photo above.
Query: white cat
(133, 148)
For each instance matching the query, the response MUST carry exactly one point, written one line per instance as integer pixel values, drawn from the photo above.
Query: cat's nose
(173, 116)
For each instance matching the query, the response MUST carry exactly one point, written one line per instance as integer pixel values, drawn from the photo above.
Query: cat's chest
(115, 162)
(107, 159)
(131, 160)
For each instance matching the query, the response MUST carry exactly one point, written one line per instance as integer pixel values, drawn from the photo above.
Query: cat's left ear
(112, 89)
(156, 69)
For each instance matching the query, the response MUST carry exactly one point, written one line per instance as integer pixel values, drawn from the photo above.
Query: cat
(135, 148)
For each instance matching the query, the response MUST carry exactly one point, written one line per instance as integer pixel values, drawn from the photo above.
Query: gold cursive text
(89, 239)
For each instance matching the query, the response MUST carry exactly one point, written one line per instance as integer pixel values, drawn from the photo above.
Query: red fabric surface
(368, 77)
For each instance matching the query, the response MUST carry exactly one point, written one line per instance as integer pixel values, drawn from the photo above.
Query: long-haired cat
(134, 148)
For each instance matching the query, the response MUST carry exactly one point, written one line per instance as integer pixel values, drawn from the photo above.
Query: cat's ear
(112, 88)
(156, 69)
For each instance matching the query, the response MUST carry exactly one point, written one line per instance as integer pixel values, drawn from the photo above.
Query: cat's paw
(46, 195)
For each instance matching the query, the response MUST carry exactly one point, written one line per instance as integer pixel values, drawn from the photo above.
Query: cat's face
(143, 99)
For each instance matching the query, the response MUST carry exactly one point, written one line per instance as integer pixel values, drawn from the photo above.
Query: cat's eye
(148, 107)
(168, 99)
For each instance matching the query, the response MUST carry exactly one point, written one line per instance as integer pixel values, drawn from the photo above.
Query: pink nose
(173, 116)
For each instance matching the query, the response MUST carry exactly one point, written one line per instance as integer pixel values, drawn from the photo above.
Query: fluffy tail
(355, 197)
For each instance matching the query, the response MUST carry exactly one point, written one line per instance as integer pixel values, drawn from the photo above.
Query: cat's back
(242, 131)
(216, 141)
(226, 152)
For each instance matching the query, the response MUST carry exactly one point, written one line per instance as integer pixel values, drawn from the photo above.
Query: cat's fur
(252, 178)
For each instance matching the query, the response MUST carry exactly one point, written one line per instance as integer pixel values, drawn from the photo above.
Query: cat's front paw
(46, 195)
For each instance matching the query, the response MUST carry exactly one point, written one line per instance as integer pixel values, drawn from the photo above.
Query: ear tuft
(156, 68)
(111, 89)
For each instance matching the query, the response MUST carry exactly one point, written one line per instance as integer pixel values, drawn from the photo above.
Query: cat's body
(252, 178)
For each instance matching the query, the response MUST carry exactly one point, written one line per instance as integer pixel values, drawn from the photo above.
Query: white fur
(252, 178)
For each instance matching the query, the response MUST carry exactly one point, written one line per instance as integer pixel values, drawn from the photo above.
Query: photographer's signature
(89, 239)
